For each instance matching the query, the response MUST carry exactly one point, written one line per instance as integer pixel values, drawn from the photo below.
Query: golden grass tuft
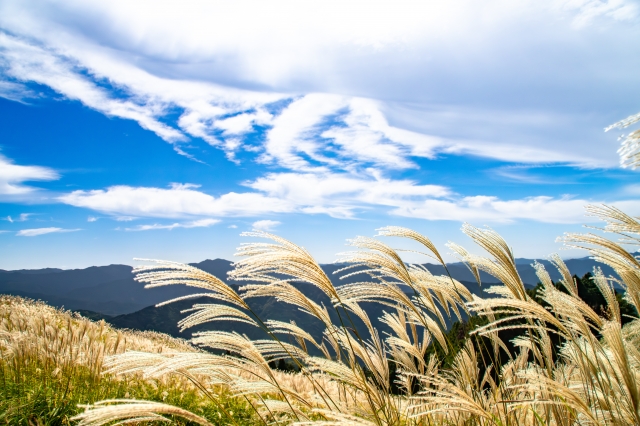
(52, 361)
(571, 365)
(565, 363)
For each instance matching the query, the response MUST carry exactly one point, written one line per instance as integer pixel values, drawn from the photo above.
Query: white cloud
(243, 123)
(202, 223)
(366, 136)
(279, 40)
(339, 194)
(12, 177)
(493, 209)
(336, 195)
(346, 97)
(15, 91)
(30, 63)
(149, 97)
(526, 136)
(175, 202)
(232, 226)
(357, 134)
(92, 219)
(293, 131)
(265, 225)
(221, 67)
(633, 190)
(23, 217)
(590, 10)
(41, 231)
(125, 218)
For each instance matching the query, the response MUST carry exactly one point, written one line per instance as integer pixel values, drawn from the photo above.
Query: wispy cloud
(23, 217)
(493, 209)
(15, 91)
(588, 11)
(28, 62)
(357, 135)
(42, 231)
(265, 225)
(244, 85)
(337, 195)
(532, 175)
(328, 57)
(633, 190)
(202, 223)
(13, 176)
(124, 218)
(176, 202)
(147, 98)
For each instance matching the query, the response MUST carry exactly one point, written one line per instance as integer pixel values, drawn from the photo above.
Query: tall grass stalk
(571, 364)
(51, 361)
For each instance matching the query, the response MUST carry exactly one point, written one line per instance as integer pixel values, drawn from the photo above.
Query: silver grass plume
(616, 220)
(164, 273)
(589, 380)
(130, 411)
(611, 253)
(265, 262)
(630, 148)
(503, 265)
(566, 279)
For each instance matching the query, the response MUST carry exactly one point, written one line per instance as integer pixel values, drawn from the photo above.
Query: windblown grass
(51, 361)
(630, 148)
(571, 364)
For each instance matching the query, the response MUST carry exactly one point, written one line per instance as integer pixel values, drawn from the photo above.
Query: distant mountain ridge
(111, 290)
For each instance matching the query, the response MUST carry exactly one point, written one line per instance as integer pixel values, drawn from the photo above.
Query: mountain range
(111, 293)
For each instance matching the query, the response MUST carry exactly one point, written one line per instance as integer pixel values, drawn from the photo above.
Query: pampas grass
(630, 149)
(571, 365)
(52, 361)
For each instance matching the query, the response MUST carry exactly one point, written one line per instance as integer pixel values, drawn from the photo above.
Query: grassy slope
(51, 363)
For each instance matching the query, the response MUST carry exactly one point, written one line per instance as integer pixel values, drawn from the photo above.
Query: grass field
(52, 362)
(566, 353)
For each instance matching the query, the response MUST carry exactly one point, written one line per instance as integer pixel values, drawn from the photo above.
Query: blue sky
(164, 129)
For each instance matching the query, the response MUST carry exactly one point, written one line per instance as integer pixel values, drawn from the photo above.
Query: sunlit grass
(523, 357)
(565, 362)
(51, 364)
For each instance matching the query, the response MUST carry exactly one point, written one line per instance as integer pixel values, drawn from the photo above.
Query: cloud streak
(331, 110)
(176, 202)
(13, 176)
(202, 223)
(34, 232)
(266, 224)
(493, 209)
(229, 69)
(23, 217)
(338, 196)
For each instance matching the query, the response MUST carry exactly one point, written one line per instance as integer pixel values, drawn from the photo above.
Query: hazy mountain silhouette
(112, 291)
(109, 290)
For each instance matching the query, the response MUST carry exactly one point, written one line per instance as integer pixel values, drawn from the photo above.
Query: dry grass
(572, 365)
(52, 360)
(630, 149)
